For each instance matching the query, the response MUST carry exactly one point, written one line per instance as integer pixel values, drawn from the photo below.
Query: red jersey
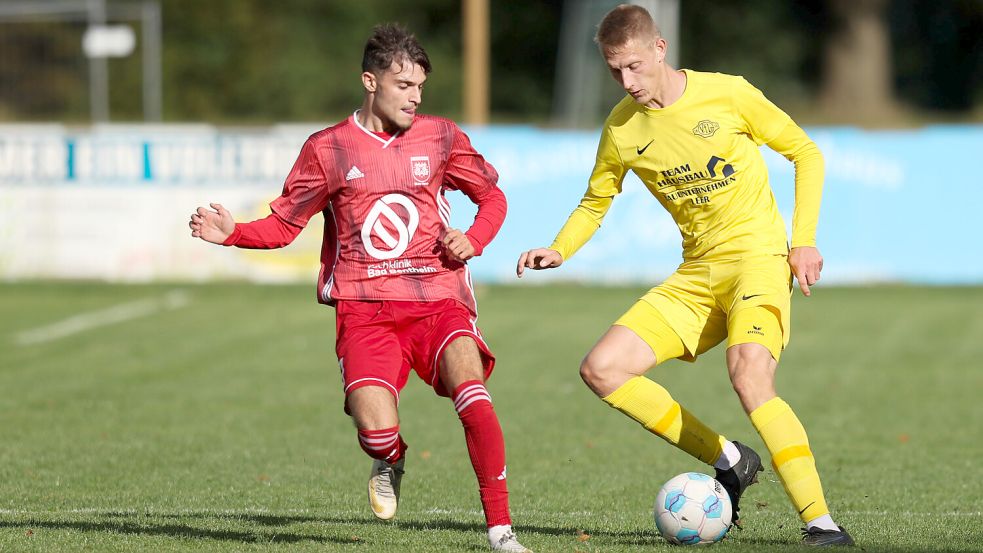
(385, 211)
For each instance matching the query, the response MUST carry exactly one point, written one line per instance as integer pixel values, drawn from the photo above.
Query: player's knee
(373, 408)
(600, 372)
(744, 384)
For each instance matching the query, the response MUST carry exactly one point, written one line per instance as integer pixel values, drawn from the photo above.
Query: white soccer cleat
(384, 483)
(502, 538)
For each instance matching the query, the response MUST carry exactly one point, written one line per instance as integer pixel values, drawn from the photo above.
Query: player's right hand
(538, 259)
(212, 225)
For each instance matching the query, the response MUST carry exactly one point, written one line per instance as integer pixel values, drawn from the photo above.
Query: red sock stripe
(384, 444)
(486, 447)
(380, 443)
(468, 393)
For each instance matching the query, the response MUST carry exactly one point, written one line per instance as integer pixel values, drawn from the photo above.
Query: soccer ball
(692, 509)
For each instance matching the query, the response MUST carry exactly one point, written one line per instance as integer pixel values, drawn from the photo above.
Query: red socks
(486, 446)
(386, 444)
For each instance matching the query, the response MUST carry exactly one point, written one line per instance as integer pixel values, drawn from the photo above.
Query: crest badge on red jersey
(421, 170)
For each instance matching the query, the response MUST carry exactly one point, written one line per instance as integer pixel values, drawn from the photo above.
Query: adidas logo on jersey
(354, 173)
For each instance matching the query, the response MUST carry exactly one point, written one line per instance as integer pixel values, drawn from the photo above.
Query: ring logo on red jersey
(421, 169)
(374, 226)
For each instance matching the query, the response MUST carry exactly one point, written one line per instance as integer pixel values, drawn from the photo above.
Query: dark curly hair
(390, 43)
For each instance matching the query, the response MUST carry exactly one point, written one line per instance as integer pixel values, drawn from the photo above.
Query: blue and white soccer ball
(693, 509)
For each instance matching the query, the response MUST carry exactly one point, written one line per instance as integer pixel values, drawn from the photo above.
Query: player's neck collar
(679, 101)
(384, 141)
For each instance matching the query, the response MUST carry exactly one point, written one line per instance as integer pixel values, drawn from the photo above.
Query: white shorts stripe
(388, 385)
(448, 339)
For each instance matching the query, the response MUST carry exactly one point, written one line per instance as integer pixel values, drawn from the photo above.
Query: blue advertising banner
(901, 205)
(898, 205)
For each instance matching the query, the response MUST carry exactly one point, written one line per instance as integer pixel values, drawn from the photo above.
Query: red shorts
(379, 342)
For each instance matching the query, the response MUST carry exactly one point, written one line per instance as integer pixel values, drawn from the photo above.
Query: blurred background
(150, 404)
(118, 118)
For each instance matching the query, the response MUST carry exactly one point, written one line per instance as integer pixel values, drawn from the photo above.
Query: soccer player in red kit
(392, 266)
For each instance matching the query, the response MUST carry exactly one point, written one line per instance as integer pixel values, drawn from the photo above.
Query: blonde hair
(626, 22)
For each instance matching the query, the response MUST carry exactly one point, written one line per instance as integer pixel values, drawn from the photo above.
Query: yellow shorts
(744, 300)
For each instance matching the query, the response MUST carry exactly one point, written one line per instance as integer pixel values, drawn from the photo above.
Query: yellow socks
(791, 457)
(783, 434)
(653, 407)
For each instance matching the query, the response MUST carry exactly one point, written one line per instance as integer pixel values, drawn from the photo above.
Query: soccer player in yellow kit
(693, 139)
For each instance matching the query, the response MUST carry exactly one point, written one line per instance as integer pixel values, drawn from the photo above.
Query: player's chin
(405, 119)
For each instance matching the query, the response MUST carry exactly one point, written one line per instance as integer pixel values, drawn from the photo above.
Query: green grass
(217, 426)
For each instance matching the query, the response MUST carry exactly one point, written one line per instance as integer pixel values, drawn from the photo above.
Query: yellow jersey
(700, 157)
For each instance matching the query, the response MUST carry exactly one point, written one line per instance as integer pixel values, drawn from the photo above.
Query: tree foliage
(257, 61)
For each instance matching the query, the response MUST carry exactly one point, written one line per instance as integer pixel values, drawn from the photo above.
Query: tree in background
(42, 74)
(938, 53)
(259, 62)
(857, 62)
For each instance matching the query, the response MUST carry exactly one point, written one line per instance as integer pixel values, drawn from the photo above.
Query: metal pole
(98, 69)
(666, 16)
(152, 101)
(476, 59)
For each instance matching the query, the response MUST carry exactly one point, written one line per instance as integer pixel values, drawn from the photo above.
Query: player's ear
(661, 47)
(369, 81)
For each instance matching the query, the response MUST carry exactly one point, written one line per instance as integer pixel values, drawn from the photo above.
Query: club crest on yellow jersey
(706, 128)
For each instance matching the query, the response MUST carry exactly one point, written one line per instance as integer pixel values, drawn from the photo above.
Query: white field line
(109, 511)
(103, 317)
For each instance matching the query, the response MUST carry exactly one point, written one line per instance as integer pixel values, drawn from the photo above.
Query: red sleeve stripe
(329, 283)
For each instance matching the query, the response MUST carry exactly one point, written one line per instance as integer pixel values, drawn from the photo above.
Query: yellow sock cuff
(652, 406)
(768, 411)
(618, 397)
(646, 402)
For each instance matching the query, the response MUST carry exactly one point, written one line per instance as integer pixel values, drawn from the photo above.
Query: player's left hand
(212, 225)
(806, 263)
(457, 245)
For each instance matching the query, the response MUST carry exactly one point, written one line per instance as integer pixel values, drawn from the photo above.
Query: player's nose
(627, 82)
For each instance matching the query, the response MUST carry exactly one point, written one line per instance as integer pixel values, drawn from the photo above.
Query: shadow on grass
(180, 531)
(435, 524)
(271, 528)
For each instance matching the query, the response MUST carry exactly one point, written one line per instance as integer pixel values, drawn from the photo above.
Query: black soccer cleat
(822, 538)
(737, 478)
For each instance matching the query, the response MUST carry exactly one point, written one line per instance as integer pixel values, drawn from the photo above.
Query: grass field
(208, 418)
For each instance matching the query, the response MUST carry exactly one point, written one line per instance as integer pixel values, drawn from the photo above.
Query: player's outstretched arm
(806, 263)
(538, 259)
(212, 225)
